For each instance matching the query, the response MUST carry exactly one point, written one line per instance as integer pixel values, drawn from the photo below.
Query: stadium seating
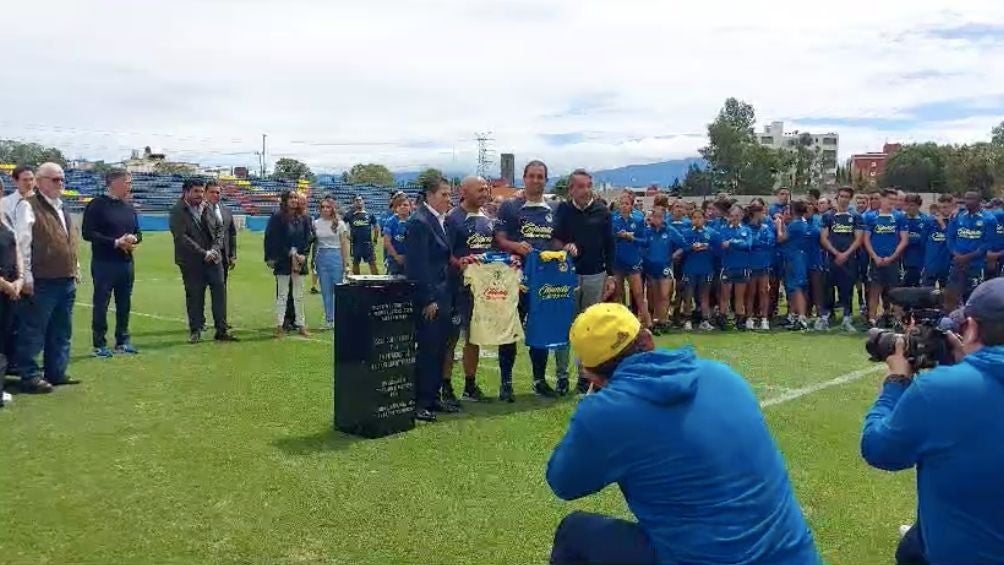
(155, 193)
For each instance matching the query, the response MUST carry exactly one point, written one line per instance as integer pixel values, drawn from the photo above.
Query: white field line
(787, 396)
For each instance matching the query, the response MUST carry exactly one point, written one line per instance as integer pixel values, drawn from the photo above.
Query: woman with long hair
(761, 260)
(736, 240)
(287, 244)
(628, 226)
(332, 255)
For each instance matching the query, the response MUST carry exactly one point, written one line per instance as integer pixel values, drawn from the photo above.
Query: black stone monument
(374, 356)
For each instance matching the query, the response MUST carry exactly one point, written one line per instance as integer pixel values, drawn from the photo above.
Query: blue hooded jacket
(737, 254)
(700, 261)
(628, 252)
(948, 424)
(686, 442)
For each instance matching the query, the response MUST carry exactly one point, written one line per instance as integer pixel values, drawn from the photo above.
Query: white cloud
(408, 83)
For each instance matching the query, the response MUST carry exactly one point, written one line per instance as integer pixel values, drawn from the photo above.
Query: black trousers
(6, 329)
(432, 337)
(196, 280)
(911, 548)
(111, 277)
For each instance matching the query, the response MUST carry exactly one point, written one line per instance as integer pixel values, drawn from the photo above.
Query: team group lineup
(687, 265)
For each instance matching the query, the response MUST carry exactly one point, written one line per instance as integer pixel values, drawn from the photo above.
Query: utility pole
(263, 136)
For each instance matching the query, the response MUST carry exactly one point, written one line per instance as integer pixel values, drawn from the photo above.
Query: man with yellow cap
(685, 441)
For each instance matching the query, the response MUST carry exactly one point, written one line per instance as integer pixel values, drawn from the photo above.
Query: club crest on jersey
(563, 267)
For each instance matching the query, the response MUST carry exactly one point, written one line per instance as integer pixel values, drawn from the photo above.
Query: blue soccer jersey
(913, 256)
(550, 297)
(884, 231)
(972, 233)
(936, 256)
(469, 234)
(627, 252)
(397, 229)
(843, 227)
(361, 225)
(700, 247)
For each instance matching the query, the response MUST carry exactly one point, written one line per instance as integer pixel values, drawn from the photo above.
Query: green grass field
(225, 453)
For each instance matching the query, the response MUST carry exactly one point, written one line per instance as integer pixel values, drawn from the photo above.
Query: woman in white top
(332, 253)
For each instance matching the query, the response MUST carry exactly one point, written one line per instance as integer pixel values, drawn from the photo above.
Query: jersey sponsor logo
(938, 236)
(967, 233)
(530, 230)
(479, 241)
(554, 292)
(884, 229)
(845, 229)
(399, 237)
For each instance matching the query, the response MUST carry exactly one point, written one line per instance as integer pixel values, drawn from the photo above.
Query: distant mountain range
(662, 173)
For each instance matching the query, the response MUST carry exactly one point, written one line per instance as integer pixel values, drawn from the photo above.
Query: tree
(806, 165)
(973, 167)
(998, 135)
(172, 168)
(100, 167)
(291, 169)
(760, 167)
(917, 168)
(29, 154)
(698, 181)
(729, 137)
(430, 173)
(676, 186)
(371, 173)
(860, 182)
(560, 187)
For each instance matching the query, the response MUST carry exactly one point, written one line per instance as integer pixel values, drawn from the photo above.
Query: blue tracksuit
(736, 257)
(686, 442)
(762, 248)
(937, 259)
(699, 248)
(947, 424)
(815, 257)
(796, 275)
(660, 244)
(627, 253)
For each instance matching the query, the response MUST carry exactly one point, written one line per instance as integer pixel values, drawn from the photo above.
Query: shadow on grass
(334, 440)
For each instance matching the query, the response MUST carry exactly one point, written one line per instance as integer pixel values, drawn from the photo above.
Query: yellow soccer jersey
(495, 287)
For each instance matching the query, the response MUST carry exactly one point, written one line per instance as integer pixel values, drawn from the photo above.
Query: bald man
(469, 233)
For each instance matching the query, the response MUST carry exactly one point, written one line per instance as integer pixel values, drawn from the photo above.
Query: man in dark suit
(198, 252)
(225, 217)
(426, 263)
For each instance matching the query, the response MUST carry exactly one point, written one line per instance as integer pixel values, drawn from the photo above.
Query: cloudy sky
(409, 82)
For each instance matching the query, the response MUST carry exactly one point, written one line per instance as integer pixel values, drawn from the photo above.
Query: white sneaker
(7, 398)
(688, 326)
(848, 325)
(765, 325)
(903, 529)
(705, 326)
(750, 325)
(817, 325)
(824, 323)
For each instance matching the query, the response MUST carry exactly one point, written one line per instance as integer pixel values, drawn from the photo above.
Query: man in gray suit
(198, 252)
(225, 217)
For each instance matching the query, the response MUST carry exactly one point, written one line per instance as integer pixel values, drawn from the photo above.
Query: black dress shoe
(225, 337)
(506, 395)
(562, 388)
(425, 416)
(65, 381)
(445, 407)
(195, 337)
(541, 388)
(36, 385)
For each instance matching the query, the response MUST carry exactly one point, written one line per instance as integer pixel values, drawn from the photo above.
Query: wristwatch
(898, 379)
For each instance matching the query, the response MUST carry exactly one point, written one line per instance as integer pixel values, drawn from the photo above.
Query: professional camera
(925, 344)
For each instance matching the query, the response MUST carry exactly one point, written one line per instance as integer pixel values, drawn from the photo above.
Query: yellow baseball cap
(602, 332)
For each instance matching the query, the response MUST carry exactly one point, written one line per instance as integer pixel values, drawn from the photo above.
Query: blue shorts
(793, 286)
(697, 282)
(887, 276)
(964, 282)
(463, 309)
(362, 253)
(735, 276)
(624, 269)
(656, 271)
(761, 272)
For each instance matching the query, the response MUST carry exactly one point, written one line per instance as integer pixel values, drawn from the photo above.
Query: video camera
(925, 344)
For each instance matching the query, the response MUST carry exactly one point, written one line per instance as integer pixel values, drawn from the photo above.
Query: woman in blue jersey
(736, 240)
(657, 265)
(700, 245)
(395, 230)
(791, 237)
(628, 226)
(763, 236)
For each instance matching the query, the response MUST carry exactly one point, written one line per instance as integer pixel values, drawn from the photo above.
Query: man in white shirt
(24, 181)
(48, 244)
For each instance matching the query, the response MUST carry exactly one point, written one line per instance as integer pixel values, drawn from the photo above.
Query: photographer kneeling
(949, 423)
(686, 442)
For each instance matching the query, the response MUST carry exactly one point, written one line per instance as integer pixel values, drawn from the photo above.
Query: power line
(486, 155)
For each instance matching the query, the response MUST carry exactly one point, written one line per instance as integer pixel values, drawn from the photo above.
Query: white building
(828, 144)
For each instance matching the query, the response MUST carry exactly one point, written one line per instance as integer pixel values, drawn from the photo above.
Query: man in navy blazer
(426, 264)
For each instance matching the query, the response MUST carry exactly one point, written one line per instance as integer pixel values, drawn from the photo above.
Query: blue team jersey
(469, 234)
(361, 225)
(660, 244)
(997, 243)
(794, 247)
(762, 252)
(843, 228)
(550, 298)
(776, 209)
(681, 225)
(737, 254)
(971, 232)
(913, 256)
(699, 248)
(814, 256)
(527, 221)
(885, 230)
(385, 219)
(397, 229)
(936, 256)
(628, 252)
